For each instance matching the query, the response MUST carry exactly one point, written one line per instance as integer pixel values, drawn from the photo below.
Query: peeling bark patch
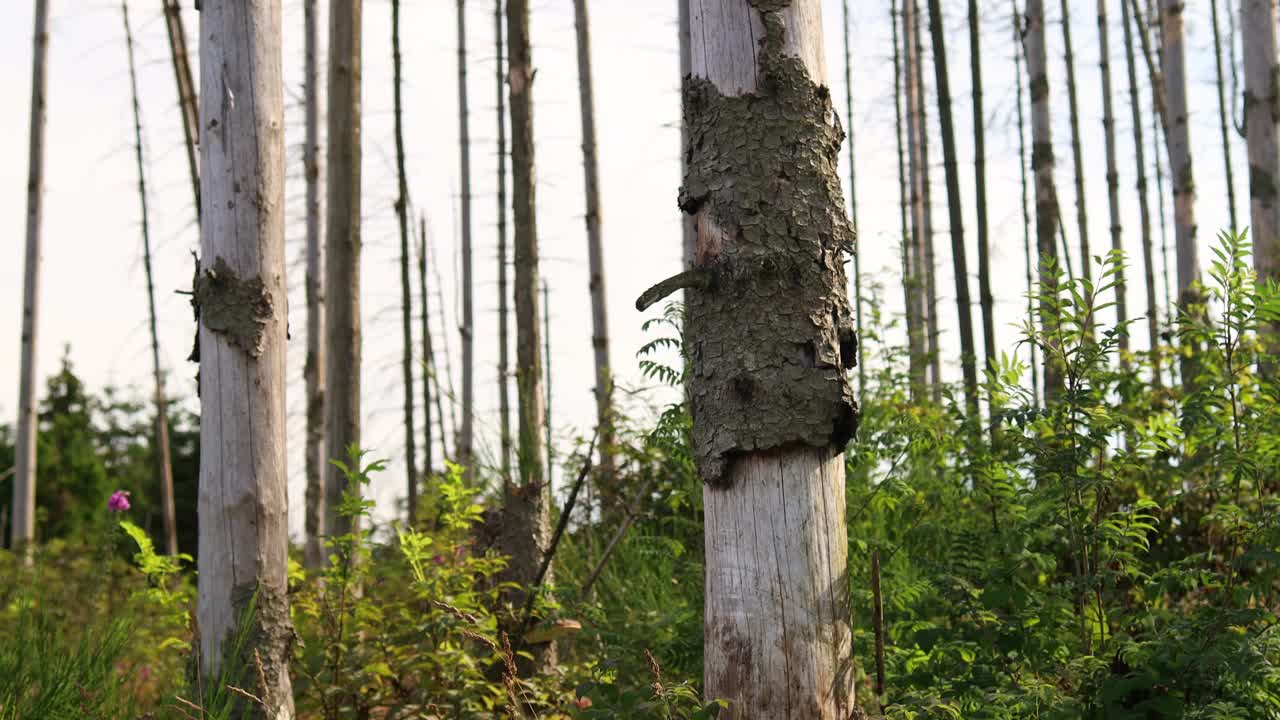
(762, 183)
(233, 307)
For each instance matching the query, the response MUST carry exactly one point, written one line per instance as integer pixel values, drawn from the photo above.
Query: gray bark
(406, 292)
(985, 297)
(466, 439)
(1224, 124)
(314, 368)
(1022, 198)
(1113, 175)
(853, 192)
(1178, 139)
(1258, 18)
(186, 93)
(915, 281)
(1073, 115)
(504, 312)
(428, 355)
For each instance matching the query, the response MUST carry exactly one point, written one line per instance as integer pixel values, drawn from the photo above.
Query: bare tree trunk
(595, 252)
(504, 341)
(985, 297)
(1082, 216)
(1018, 30)
(1113, 176)
(905, 207)
(526, 526)
(547, 425)
(428, 356)
(314, 368)
(959, 262)
(241, 302)
(1178, 138)
(164, 465)
(1144, 208)
(186, 93)
(928, 266)
(1042, 165)
(777, 612)
(343, 245)
(1223, 122)
(1258, 17)
(853, 195)
(915, 281)
(406, 293)
(449, 392)
(466, 331)
(23, 532)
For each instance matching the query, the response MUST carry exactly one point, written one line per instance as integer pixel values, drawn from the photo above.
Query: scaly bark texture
(504, 312)
(1113, 175)
(915, 282)
(1073, 115)
(959, 262)
(595, 254)
(406, 292)
(466, 440)
(163, 463)
(186, 93)
(313, 370)
(1046, 193)
(23, 528)
(772, 403)
(985, 297)
(343, 247)
(1261, 73)
(526, 522)
(241, 304)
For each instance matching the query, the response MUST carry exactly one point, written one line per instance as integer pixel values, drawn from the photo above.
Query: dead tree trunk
(504, 341)
(928, 264)
(1026, 211)
(985, 297)
(686, 67)
(23, 531)
(343, 244)
(428, 356)
(314, 368)
(1113, 175)
(1144, 207)
(466, 331)
(1046, 193)
(1258, 17)
(406, 293)
(915, 353)
(769, 432)
(595, 252)
(853, 194)
(1178, 137)
(1082, 216)
(916, 278)
(1223, 122)
(547, 425)
(526, 527)
(164, 465)
(959, 262)
(186, 93)
(241, 303)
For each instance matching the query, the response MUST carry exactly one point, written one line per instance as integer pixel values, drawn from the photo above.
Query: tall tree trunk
(241, 302)
(186, 93)
(686, 67)
(466, 331)
(851, 142)
(1223, 122)
(1258, 17)
(314, 368)
(1046, 193)
(504, 341)
(905, 208)
(1018, 30)
(449, 393)
(929, 265)
(595, 252)
(343, 246)
(915, 281)
(1144, 208)
(1082, 215)
(526, 527)
(23, 532)
(406, 292)
(164, 465)
(1178, 138)
(547, 425)
(985, 297)
(428, 356)
(1113, 176)
(959, 261)
(777, 611)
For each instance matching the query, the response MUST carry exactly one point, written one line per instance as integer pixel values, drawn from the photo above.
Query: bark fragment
(234, 307)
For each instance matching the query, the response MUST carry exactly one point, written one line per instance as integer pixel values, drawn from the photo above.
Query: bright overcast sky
(93, 293)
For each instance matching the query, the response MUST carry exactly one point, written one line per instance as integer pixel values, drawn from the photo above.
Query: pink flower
(119, 501)
(583, 702)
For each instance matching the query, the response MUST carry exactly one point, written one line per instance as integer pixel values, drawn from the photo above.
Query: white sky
(93, 292)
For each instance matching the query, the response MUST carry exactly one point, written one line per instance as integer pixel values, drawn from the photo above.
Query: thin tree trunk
(314, 367)
(449, 392)
(406, 292)
(1046, 194)
(985, 297)
(1144, 207)
(164, 465)
(504, 341)
(342, 256)
(1258, 17)
(905, 207)
(595, 252)
(186, 93)
(915, 279)
(548, 427)
(686, 66)
(959, 261)
(526, 527)
(433, 368)
(853, 196)
(466, 331)
(428, 355)
(243, 508)
(1178, 138)
(1026, 211)
(1223, 122)
(929, 265)
(1113, 177)
(23, 532)
(1082, 215)
(777, 612)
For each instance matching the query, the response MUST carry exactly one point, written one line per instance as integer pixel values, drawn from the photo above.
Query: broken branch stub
(770, 330)
(236, 308)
